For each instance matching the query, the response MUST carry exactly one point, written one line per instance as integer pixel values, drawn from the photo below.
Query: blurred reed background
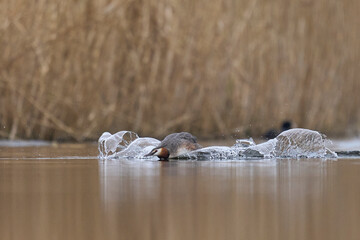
(74, 69)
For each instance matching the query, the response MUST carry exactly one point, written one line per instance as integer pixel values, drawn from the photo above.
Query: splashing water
(211, 153)
(293, 143)
(262, 150)
(302, 143)
(124, 144)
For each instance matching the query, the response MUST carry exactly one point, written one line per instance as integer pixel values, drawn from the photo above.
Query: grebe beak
(151, 153)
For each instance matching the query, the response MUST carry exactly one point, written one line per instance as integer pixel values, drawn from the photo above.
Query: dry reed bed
(215, 68)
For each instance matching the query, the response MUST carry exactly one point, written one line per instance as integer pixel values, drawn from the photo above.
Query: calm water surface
(65, 192)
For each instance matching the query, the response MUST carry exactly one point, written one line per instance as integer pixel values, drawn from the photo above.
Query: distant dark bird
(175, 145)
(272, 133)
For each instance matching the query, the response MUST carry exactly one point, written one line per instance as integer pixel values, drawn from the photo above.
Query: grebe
(174, 145)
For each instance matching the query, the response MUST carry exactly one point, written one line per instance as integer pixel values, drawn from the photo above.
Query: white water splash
(211, 153)
(139, 147)
(297, 143)
(124, 144)
(262, 150)
(294, 143)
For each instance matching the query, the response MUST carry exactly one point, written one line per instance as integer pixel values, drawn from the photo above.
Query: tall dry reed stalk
(73, 69)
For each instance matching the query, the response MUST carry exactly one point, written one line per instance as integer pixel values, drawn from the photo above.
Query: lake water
(65, 192)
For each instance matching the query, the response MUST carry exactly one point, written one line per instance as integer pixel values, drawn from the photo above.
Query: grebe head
(286, 125)
(161, 152)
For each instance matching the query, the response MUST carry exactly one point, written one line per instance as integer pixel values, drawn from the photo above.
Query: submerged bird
(175, 145)
(273, 133)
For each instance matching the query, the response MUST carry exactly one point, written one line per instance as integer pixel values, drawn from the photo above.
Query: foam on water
(293, 143)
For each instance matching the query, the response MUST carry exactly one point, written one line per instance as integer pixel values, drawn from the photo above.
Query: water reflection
(286, 199)
(124, 199)
(50, 199)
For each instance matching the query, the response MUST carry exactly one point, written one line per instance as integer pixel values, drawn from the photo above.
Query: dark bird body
(175, 145)
(273, 133)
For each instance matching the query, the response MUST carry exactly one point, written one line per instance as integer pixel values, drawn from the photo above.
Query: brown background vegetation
(74, 69)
